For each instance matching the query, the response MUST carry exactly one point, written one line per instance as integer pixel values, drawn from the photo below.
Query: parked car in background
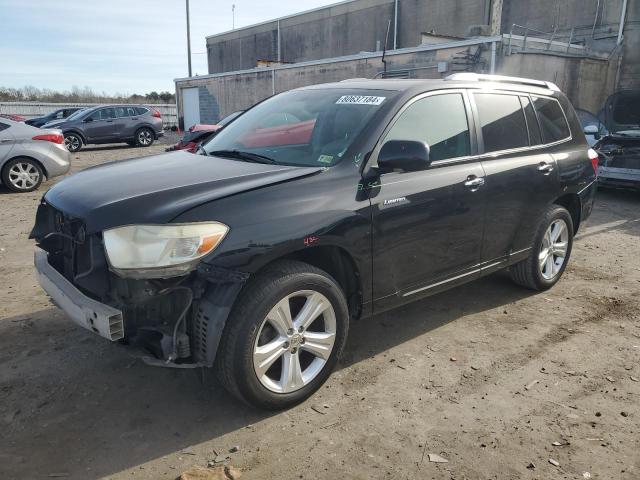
(619, 150)
(133, 124)
(255, 257)
(200, 133)
(12, 116)
(60, 114)
(28, 155)
(594, 128)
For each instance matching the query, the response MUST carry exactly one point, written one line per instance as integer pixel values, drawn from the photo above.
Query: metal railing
(38, 109)
(549, 39)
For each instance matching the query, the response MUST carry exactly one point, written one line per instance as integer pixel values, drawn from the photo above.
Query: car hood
(155, 189)
(622, 111)
(54, 124)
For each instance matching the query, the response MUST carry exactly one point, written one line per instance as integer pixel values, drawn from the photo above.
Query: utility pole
(188, 39)
(233, 16)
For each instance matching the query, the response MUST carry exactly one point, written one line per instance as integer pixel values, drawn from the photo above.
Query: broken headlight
(155, 251)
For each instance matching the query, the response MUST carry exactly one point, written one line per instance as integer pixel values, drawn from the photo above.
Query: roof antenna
(384, 50)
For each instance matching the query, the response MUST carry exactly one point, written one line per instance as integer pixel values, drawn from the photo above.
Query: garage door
(191, 106)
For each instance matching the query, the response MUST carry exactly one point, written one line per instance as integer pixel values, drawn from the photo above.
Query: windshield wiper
(246, 156)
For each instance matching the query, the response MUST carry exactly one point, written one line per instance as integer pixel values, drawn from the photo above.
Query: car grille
(79, 257)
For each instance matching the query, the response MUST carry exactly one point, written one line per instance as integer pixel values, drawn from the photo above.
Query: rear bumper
(58, 161)
(619, 177)
(101, 319)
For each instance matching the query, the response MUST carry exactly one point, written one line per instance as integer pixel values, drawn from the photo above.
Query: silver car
(28, 155)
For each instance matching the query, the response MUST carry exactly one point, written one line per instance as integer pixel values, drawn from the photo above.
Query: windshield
(303, 127)
(228, 118)
(77, 114)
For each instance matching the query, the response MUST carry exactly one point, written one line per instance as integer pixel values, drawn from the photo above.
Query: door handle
(474, 182)
(545, 167)
(6, 140)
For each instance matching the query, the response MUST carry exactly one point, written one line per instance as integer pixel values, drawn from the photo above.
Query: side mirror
(88, 119)
(591, 130)
(407, 155)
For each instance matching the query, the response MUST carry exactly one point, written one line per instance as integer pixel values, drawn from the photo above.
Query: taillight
(50, 137)
(156, 114)
(593, 156)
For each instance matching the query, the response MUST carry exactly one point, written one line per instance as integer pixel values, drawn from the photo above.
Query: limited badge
(359, 100)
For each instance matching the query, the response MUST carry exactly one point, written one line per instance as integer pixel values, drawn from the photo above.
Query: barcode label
(360, 100)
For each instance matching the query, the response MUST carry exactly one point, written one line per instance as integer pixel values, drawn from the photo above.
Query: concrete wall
(545, 15)
(587, 82)
(629, 75)
(227, 93)
(341, 29)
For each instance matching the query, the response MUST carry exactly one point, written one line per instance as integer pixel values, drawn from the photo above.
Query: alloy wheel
(24, 175)
(145, 138)
(294, 341)
(554, 249)
(72, 143)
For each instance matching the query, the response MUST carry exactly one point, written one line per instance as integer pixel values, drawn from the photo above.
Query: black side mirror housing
(88, 119)
(406, 155)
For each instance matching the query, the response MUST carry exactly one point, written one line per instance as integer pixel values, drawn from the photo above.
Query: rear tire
(73, 142)
(22, 175)
(145, 137)
(272, 360)
(550, 251)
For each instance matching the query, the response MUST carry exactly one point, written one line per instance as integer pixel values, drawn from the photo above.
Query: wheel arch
(338, 263)
(76, 132)
(148, 126)
(571, 201)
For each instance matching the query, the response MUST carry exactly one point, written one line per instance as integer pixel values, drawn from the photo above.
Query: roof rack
(477, 77)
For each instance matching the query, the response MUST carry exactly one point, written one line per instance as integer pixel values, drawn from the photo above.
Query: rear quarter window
(3, 126)
(553, 122)
(141, 110)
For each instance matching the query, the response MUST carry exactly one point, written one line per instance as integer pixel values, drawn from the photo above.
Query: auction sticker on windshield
(360, 100)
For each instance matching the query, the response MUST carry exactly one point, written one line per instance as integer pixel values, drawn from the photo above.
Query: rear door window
(552, 120)
(438, 120)
(3, 126)
(502, 122)
(104, 114)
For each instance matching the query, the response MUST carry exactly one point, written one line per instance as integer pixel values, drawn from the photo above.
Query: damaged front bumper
(101, 319)
(176, 326)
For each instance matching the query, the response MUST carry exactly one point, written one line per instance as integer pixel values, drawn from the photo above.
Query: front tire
(22, 175)
(284, 336)
(73, 142)
(550, 251)
(145, 137)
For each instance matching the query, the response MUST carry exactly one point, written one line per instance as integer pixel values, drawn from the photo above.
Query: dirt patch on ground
(529, 370)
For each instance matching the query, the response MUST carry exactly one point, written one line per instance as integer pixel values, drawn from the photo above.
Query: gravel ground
(500, 381)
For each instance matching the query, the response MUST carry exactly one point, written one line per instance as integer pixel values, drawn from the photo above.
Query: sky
(118, 46)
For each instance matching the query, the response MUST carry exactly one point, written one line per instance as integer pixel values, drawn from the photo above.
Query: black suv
(59, 114)
(315, 208)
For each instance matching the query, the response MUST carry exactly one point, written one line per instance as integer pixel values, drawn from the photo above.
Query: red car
(11, 116)
(200, 133)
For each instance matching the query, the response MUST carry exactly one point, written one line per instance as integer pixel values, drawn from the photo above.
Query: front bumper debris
(101, 319)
